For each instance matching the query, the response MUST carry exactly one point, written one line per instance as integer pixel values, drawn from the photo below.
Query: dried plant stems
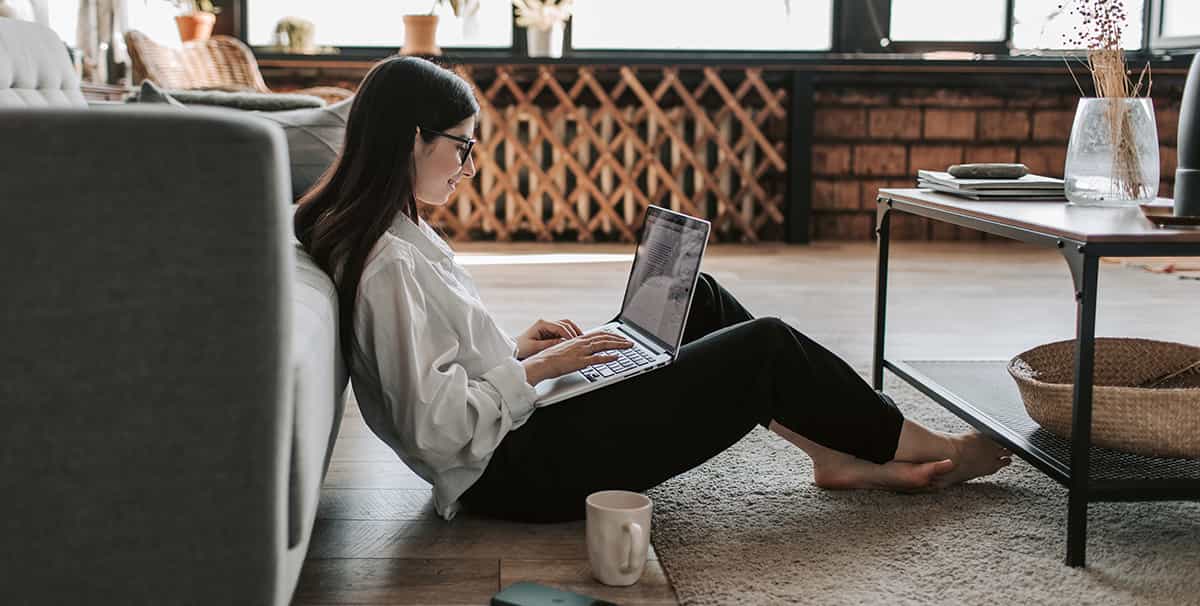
(1110, 77)
(1104, 21)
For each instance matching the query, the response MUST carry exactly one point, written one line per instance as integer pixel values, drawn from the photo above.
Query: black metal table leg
(1084, 269)
(882, 232)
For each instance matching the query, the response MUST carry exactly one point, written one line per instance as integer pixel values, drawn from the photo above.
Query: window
(1180, 18)
(1175, 24)
(752, 25)
(1047, 24)
(948, 20)
(155, 18)
(376, 23)
(62, 19)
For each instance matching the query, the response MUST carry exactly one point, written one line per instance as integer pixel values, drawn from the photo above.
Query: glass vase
(1112, 157)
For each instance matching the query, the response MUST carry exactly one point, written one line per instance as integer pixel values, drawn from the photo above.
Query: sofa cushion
(35, 69)
(314, 135)
(314, 139)
(249, 101)
(149, 92)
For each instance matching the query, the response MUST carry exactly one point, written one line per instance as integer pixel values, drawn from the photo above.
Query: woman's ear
(418, 142)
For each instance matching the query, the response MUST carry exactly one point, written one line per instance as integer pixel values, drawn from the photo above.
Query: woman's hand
(545, 334)
(573, 354)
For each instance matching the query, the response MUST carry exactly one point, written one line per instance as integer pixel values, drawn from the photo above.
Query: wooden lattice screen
(577, 153)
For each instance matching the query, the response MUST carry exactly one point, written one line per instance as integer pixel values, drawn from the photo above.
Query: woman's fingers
(606, 337)
(566, 330)
(608, 342)
(546, 330)
(574, 327)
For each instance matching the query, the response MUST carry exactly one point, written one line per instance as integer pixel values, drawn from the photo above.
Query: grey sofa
(170, 379)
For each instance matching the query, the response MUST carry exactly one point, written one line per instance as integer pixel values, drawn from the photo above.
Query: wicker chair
(219, 63)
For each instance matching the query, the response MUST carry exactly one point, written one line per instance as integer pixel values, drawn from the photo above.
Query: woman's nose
(469, 167)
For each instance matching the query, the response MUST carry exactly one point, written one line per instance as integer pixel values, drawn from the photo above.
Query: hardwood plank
(353, 425)
(438, 539)
(356, 447)
(376, 504)
(394, 581)
(372, 474)
(576, 575)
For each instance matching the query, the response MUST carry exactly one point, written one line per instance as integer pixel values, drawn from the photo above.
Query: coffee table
(982, 393)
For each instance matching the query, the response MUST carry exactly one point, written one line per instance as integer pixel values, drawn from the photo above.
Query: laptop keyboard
(627, 360)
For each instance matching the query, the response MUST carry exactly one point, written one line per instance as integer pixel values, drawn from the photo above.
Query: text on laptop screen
(663, 275)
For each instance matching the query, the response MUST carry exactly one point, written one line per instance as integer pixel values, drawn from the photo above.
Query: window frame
(519, 46)
(848, 40)
(984, 47)
(241, 23)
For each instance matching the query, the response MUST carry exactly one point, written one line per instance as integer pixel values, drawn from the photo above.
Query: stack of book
(1029, 187)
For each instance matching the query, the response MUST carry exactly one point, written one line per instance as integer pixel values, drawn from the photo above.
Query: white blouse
(434, 376)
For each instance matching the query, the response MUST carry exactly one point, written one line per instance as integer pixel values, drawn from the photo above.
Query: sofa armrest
(146, 376)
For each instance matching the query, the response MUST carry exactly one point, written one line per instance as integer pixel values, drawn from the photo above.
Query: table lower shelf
(984, 395)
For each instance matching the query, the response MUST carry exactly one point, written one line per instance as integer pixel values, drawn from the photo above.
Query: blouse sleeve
(442, 415)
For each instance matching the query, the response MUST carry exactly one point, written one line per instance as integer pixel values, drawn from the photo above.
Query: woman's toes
(977, 456)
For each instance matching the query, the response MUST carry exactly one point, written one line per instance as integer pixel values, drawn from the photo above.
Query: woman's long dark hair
(355, 201)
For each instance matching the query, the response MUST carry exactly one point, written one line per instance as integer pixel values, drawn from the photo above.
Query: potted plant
(196, 23)
(1112, 155)
(420, 31)
(295, 35)
(544, 21)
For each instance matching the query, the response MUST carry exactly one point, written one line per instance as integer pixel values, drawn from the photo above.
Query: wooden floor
(378, 541)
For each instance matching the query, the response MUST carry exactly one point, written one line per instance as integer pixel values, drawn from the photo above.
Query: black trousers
(733, 372)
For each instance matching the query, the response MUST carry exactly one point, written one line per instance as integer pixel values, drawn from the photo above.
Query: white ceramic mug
(618, 535)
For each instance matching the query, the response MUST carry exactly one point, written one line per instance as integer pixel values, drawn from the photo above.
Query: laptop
(654, 310)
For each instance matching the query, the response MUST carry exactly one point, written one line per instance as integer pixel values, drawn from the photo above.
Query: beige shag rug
(748, 527)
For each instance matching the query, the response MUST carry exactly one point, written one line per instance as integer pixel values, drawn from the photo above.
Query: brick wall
(868, 137)
(874, 130)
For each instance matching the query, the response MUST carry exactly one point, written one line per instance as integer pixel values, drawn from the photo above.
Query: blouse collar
(422, 236)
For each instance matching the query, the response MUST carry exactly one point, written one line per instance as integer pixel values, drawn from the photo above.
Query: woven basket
(1146, 398)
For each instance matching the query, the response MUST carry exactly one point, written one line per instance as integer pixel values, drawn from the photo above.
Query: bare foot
(976, 455)
(855, 473)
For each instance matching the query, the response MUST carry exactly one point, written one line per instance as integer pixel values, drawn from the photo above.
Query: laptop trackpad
(559, 386)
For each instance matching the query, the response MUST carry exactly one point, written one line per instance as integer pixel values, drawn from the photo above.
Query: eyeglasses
(463, 154)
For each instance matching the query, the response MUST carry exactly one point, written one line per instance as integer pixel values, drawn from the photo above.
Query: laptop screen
(664, 273)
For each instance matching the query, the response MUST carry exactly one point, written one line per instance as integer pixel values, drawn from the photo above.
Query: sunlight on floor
(536, 259)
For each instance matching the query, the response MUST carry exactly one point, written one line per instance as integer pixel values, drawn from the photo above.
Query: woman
(438, 380)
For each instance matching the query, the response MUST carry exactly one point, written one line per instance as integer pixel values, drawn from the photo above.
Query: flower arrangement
(295, 34)
(458, 6)
(1103, 22)
(543, 14)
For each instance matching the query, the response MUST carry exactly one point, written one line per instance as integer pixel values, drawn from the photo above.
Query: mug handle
(635, 557)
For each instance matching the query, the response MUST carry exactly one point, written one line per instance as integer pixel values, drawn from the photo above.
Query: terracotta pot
(420, 35)
(195, 26)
